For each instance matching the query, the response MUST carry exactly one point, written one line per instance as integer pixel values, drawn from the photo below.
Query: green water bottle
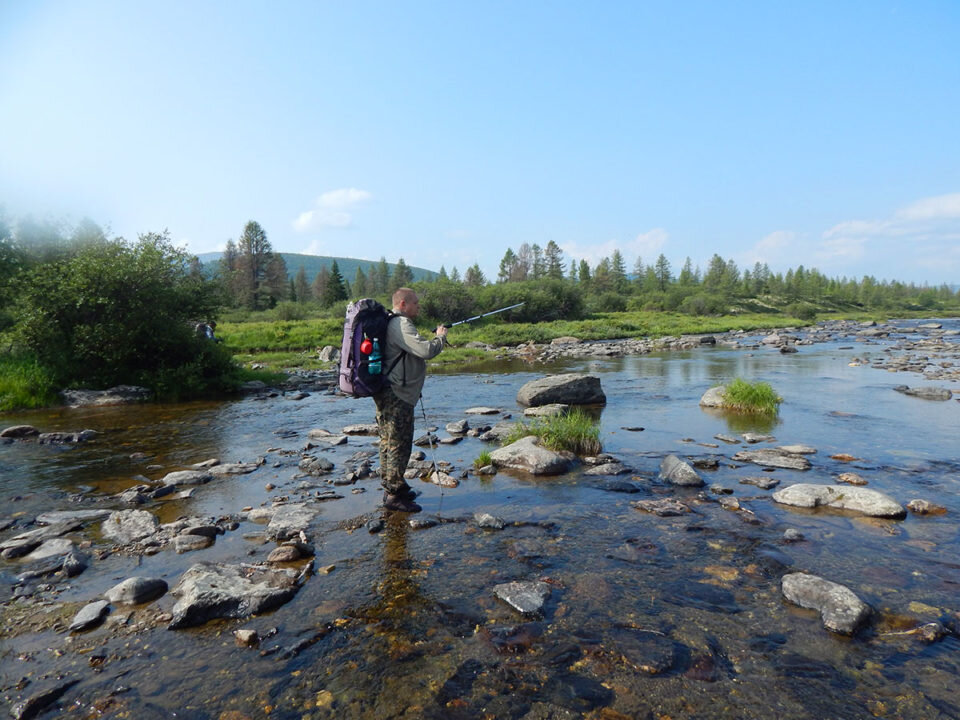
(375, 367)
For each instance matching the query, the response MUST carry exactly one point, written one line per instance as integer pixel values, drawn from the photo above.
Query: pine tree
(539, 267)
(402, 276)
(455, 275)
(507, 264)
(360, 283)
(335, 291)
(474, 276)
(662, 270)
(320, 283)
(618, 272)
(301, 288)
(553, 257)
(254, 253)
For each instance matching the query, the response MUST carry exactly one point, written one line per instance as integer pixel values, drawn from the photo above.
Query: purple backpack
(366, 320)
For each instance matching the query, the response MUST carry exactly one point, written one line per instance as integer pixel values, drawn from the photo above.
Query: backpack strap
(390, 316)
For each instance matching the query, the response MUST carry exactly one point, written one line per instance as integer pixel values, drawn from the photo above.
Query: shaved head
(403, 295)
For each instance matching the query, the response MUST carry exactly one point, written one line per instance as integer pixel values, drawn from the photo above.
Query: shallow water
(406, 624)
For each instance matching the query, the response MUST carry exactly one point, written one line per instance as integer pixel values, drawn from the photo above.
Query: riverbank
(678, 614)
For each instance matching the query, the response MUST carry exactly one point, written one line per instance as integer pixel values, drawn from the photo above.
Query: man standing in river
(406, 353)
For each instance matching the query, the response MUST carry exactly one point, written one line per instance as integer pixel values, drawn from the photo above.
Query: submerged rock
(289, 520)
(610, 468)
(925, 507)
(568, 388)
(488, 521)
(926, 393)
(840, 609)
(65, 438)
(662, 508)
(209, 590)
(677, 472)
(119, 395)
(525, 597)
(526, 454)
(187, 477)
(858, 499)
(361, 429)
(760, 481)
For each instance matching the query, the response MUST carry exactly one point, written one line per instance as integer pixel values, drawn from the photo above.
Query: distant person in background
(205, 330)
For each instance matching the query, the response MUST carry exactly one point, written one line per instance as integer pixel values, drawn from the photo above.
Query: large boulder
(210, 590)
(843, 497)
(840, 609)
(526, 454)
(136, 590)
(18, 432)
(570, 388)
(715, 397)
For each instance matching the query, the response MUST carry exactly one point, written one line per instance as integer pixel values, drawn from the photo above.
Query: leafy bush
(607, 302)
(758, 397)
(803, 311)
(444, 301)
(288, 310)
(575, 431)
(703, 304)
(115, 312)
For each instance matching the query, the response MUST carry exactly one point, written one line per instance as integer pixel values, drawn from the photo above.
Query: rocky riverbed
(701, 566)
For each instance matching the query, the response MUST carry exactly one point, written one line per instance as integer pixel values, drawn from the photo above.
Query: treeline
(252, 276)
(722, 288)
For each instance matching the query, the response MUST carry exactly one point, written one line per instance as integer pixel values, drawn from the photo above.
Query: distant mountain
(313, 263)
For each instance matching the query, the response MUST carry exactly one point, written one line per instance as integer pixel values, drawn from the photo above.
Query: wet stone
(620, 486)
(689, 593)
(459, 427)
(361, 429)
(136, 590)
(187, 477)
(762, 482)
(792, 535)
(513, 639)
(18, 432)
(772, 457)
(925, 507)
(488, 521)
(189, 543)
(840, 609)
(420, 522)
(677, 472)
(757, 437)
(851, 478)
(662, 508)
(525, 597)
(125, 526)
(90, 616)
(613, 468)
(34, 705)
(315, 466)
(727, 439)
(647, 651)
(857, 499)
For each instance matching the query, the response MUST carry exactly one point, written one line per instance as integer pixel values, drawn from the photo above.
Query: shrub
(758, 397)
(703, 304)
(287, 311)
(24, 383)
(803, 311)
(575, 431)
(607, 302)
(114, 312)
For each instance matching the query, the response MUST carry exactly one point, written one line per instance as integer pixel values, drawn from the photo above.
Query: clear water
(406, 624)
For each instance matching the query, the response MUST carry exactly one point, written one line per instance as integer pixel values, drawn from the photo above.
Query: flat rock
(65, 438)
(858, 499)
(647, 651)
(851, 478)
(482, 410)
(677, 472)
(772, 457)
(212, 590)
(764, 482)
(18, 432)
(125, 526)
(926, 393)
(840, 609)
(499, 432)
(549, 410)
(753, 438)
(136, 590)
(526, 454)
(40, 700)
(361, 429)
(90, 616)
(568, 388)
(188, 543)
(25, 542)
(525, 597)
(798, 449)
(53, 547)
(187, 477)
(233, 469)
(610, 468)
(662, 508)
(289, 520)
(488, 521)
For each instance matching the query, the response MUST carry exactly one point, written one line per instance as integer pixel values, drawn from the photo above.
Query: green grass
(747, 397)
(482, 460)
(575, 431)
(24, 384)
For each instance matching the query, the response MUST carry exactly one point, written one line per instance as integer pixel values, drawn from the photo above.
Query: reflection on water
(647, 617)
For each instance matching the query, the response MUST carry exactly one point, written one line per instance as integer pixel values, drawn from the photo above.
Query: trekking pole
(483, 315)
(433, 455)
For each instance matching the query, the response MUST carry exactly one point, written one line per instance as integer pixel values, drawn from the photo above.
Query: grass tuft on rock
(575, 431)
(758, 398)
(482, 460)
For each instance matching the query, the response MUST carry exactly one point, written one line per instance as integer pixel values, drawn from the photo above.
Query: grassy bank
(24, 383)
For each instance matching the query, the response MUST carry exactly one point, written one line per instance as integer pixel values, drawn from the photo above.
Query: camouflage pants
(395, 424)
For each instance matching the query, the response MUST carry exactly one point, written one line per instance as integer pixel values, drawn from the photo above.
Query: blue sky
(821, 133)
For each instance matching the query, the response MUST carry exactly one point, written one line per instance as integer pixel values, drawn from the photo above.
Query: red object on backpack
(366, 347)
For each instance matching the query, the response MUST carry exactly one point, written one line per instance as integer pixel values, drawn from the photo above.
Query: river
(649, 617)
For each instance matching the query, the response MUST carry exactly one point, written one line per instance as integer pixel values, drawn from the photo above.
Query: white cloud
(332, 209)
(645, 245)
(941, 207)
(919, 242)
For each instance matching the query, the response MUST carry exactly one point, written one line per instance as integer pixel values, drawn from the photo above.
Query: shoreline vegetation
(81, 310)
